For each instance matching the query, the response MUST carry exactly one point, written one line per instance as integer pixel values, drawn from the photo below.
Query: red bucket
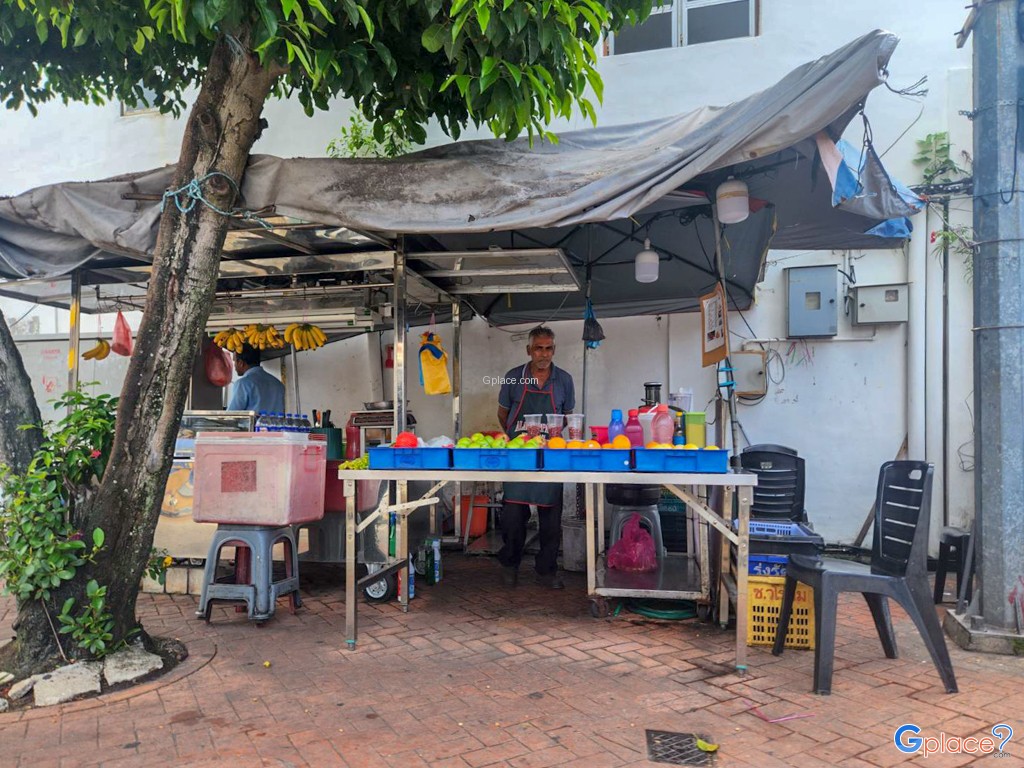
(479, 527)
(600, 434)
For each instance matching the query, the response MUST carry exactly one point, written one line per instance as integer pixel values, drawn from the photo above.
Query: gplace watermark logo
(500, 381)
(908, 739)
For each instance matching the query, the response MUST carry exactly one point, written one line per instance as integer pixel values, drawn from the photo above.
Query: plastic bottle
(307, 425)
(662, 427)
(679, 436)
(437, 570)
(289, 423)
(261, 422)
(615, 426)
(634, 431)
(392, 533)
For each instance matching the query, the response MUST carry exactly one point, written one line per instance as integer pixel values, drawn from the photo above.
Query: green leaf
(457, 6)
(288, 7)
(433, 37)
(98, 537)
(366, 21)
(483, 16)
(320, 8)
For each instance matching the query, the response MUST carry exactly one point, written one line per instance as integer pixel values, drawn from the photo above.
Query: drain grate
(677, 748)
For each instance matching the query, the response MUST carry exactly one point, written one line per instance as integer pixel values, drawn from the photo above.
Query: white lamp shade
(646, 264)
(733, 201)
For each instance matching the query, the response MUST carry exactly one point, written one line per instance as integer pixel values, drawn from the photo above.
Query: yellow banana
(99, 352)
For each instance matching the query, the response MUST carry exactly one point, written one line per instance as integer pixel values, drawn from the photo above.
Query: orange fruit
(607, 445)
(653, 444)
(557, 442)
(622, 442)
(591, 444)
(574, 444)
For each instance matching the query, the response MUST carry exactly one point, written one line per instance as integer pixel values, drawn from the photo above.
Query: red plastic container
(259, 478)
(479, 527)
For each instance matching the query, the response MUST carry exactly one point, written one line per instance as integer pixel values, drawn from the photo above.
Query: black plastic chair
(779, 493)
(899, 569)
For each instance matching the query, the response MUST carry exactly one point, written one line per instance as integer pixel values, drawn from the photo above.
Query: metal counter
(678, 577)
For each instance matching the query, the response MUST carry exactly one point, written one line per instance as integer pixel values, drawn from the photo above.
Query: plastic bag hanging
(593, 333)
(122, 343)
(217, 365)
(434, 365)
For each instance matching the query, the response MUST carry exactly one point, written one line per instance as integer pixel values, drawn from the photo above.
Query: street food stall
(510, 232)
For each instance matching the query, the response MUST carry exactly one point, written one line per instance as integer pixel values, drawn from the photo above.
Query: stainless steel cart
(686, 576)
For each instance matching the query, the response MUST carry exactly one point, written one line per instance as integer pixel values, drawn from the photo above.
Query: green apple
(464, 442)
(477, 437)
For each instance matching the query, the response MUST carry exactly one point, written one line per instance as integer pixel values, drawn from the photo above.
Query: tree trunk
(218, 137)
(17, 406)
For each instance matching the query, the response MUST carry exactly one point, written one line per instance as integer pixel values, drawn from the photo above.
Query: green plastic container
(335, 443)
(693, 425)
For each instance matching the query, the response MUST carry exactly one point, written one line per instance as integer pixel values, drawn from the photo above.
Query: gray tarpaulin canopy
(596, 195)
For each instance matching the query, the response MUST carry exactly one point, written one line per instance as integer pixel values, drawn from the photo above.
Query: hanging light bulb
(646, 264)
(733, 201)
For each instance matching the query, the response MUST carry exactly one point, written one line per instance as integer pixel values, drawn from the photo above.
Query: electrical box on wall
(748, 371)
(811, 301)
(873, 304)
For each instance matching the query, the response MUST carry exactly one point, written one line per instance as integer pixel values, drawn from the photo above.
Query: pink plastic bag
(122, 343)
(635, 550)
(217, 365)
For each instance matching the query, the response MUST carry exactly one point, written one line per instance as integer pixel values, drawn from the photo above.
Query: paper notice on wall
(714, 340)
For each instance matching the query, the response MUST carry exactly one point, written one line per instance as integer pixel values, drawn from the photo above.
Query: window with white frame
(686, 22)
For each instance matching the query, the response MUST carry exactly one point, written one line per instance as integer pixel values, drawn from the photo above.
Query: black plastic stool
(954, 544)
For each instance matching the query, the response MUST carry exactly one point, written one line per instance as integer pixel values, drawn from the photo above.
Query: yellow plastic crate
(764, 601)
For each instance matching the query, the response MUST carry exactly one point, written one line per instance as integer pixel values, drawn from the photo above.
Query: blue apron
(533, 401)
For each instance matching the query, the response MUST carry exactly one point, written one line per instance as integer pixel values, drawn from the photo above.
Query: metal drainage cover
(677, 748)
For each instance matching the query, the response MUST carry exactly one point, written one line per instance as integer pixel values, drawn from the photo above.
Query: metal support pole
(398, 307)
(457, 412)
(295, 382)
(75, 333)
(999, 308)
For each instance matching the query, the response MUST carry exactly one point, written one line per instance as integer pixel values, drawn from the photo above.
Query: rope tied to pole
(188, 196)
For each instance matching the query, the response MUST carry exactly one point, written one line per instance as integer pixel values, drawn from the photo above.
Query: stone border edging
(200, 653)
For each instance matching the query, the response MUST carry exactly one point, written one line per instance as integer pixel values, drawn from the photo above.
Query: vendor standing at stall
(536, 387)
(255, 389)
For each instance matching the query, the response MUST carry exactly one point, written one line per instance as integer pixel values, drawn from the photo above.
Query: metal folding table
(678, 577)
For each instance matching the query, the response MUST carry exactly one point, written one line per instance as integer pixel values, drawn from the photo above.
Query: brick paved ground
(479, 675)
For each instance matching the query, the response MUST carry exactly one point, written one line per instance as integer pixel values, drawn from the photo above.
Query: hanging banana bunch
(304, 336)
(263, 336)
(99, 352)
(232, 339)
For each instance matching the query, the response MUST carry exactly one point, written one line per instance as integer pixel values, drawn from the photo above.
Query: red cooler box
(259, 478)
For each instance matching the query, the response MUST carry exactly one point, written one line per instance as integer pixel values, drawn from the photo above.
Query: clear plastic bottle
(662, 427)
(634, 430)
(307, 425)
(615, 426)
(289, 423)
(261, 422)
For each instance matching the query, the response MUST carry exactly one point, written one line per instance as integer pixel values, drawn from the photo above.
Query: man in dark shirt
(538, 387)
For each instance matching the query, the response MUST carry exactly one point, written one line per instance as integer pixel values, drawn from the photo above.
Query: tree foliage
(510, 65)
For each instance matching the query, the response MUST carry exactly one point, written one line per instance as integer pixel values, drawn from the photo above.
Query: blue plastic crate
(410, 458)
(772, 538)
(586, 460)
(496, 458)
(679, 460)
(767, 565)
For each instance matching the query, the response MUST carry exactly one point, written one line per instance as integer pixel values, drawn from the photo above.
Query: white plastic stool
(651, 522)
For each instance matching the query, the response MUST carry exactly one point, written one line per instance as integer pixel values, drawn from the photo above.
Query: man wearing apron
(537, 387)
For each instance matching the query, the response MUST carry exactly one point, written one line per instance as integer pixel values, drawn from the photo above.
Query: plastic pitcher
(696, 431)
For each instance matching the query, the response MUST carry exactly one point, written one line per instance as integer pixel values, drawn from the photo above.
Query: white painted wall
(846, 408)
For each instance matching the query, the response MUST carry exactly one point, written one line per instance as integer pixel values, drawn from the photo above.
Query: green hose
(655, 609)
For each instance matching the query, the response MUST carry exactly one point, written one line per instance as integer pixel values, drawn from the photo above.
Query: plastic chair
(770, 448)
(899, 569)
(779, 493)
(953, 546)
